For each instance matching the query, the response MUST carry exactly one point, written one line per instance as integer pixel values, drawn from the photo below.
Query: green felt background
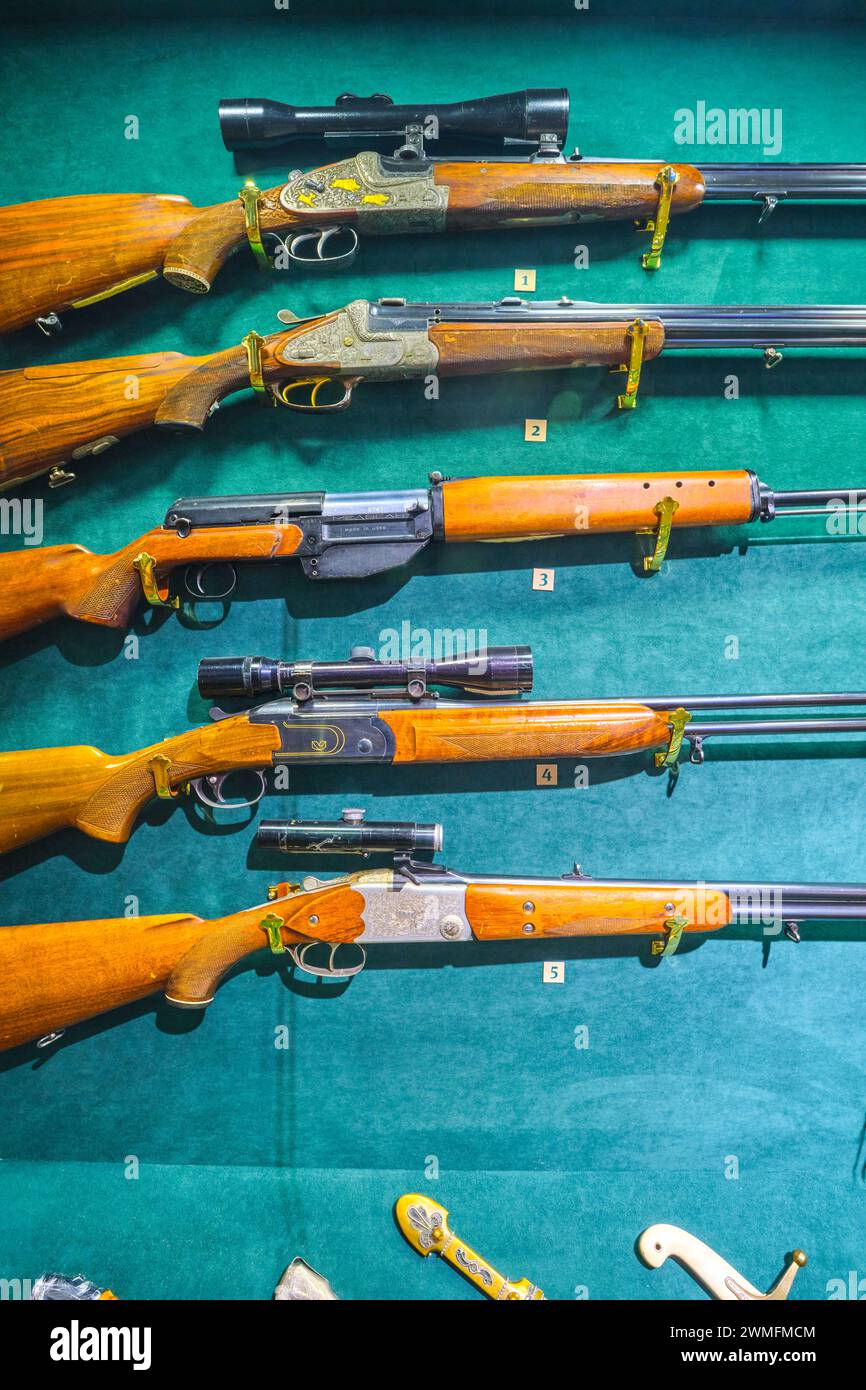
(551, 1159)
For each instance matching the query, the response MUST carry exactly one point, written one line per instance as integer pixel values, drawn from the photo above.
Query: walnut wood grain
(511, 194)
(60, 250)
(516, 508)
(542, 729)
(331, 914)
(60, 973)
(468, 348)
(37, 585)
(43, 790)
(50, 414)
(497, 911)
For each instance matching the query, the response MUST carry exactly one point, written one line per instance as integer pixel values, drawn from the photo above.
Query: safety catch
(250, 195)
(273, 925)
(159, 598)
(674, 927)
(666, 181)
(677, 723)
(636, 333)
(664, 510)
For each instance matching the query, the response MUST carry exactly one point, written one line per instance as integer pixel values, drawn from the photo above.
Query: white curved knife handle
(659, 1243)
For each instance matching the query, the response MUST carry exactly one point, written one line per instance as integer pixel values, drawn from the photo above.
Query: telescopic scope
(493, 670)
(515, 120)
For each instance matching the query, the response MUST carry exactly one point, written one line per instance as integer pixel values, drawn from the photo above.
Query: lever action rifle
(67, 253)
(53, 414)
(352, 535)
(368, 711)
(87, 968)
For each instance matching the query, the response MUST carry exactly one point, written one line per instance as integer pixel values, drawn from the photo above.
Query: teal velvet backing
(722, 1090)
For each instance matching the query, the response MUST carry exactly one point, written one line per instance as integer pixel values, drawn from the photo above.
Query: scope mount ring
(214, 781)
(329, 971)
(320, 236)
(194, 574)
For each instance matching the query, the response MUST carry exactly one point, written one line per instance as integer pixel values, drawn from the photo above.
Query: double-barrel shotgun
(71, 252)
(53, 415)
(352, 535)
(370, 711)
(324, 926)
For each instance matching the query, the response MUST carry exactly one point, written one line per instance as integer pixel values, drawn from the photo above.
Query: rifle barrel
(738, 702)
(742, 182)
(686, 325)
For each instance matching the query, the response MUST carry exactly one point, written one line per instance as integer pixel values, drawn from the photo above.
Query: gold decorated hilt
(424, 1223)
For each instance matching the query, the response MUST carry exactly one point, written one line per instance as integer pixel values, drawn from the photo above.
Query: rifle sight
(515, 120)
(493, 670)
(352, 834)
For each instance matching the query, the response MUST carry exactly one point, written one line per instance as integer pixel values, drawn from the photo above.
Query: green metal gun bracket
(678, 721)
(273, 925)
(249, 196)
(636, 333)
(661, 533)
(665, 182)
(146, 566)
(674, 927)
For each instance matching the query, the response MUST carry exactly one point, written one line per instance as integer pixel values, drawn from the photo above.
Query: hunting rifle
(369, 711)
(53, 415)
(55, 975)
(68, 253)
(351, 535)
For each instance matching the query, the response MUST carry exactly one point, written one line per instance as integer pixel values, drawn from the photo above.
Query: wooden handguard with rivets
(336, 914)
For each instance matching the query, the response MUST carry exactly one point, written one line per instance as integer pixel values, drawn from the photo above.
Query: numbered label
(535, 431)
(546, 774)
(524, 279)
(553, 972)
(543, 579)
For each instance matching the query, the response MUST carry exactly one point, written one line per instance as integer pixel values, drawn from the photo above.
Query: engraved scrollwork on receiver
(379, 199)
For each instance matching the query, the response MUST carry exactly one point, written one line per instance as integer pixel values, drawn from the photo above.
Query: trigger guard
(321, 237)
(329, 971)
(216, 783)
(195, 574)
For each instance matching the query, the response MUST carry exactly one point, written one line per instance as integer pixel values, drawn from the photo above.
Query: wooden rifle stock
(55, 415)
(88, 968)
(44, 790)
(37, 585)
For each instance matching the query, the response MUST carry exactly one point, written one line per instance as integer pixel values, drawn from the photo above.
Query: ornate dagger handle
(659, 1243)
(424, 1223)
